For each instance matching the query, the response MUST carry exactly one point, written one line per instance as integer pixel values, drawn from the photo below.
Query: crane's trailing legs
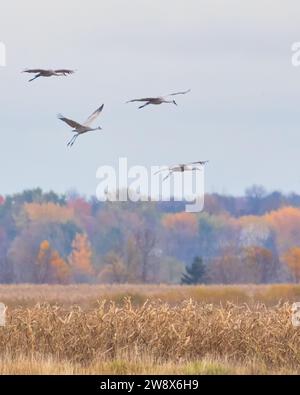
(144, 105)
(72, 141)
(34, 78)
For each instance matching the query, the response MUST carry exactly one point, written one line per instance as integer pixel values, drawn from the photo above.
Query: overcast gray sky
(242, 114)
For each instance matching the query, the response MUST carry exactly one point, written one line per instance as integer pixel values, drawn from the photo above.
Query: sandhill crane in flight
(182, 168)
(81, 128)
(158, 100)
(48, 73)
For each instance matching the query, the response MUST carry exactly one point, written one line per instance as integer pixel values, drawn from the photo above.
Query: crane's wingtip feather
(99, 109)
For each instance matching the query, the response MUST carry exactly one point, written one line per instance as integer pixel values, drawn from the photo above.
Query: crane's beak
(175, 103)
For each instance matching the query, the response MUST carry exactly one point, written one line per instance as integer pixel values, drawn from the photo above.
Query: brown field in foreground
(88, 296)
(128, 337)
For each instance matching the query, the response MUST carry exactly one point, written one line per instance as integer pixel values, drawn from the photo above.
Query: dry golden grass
(87, 296)
(142, 365)
(188, 337)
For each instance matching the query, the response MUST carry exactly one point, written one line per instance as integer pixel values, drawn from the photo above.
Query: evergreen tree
(195, 274)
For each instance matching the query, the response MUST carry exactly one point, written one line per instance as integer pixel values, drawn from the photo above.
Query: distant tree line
(52, 238)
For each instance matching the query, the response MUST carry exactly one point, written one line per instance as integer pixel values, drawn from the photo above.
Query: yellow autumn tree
(48, 212)
(292, 259)
(81, 257)
(286, 224)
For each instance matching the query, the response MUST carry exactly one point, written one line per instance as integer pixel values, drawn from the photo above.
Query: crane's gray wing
(179, 93)
(70, 122)
(144, 99)
(200, 162)
(93, 116)
(34, 71)
(64, 71)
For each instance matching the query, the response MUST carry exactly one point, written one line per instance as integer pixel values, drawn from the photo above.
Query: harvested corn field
(233, 338)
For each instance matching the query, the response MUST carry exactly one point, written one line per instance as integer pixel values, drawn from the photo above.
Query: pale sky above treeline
(242, 113)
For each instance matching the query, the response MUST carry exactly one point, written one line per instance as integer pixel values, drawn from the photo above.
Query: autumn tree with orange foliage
(252, 264)
(81, 258)
(61, 268)
(185, 223)
(51, 267)
(286, 224)
(292, 259)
